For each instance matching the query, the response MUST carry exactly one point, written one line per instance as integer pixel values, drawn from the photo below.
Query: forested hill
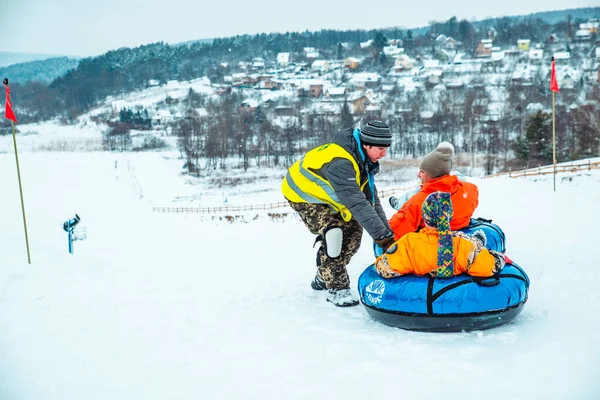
(43, 71)
(126, 69)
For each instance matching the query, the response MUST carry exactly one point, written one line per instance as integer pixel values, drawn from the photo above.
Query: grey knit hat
(439, 161)
(376, 133)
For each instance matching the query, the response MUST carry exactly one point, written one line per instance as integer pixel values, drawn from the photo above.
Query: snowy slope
(166, 306)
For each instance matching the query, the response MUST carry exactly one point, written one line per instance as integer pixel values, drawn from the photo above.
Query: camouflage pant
(319, 219)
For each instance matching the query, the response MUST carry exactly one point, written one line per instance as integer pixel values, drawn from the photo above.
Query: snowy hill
(9, 58)
(165, 306)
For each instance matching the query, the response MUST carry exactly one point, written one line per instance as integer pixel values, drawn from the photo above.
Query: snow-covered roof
(162, 114)
(536, 54)
(252, 103)
(365, 77)
(366, 44)
(534, 107)
(283, 57)
(583, 33)
(336, 91)
(562, 55)
(319, 63)
(497, 55)
(431, 63)
(201, 112)
(590, 25)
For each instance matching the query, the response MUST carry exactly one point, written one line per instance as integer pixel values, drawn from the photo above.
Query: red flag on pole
(9, 111)
(553, 82)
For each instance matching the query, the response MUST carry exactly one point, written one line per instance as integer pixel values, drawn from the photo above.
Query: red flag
(553, 82)
(9, 111)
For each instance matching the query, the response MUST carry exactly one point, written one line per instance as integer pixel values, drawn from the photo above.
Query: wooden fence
(255, 207)
(548, 169)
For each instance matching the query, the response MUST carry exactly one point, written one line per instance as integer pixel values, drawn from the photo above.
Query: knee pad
(333, 242)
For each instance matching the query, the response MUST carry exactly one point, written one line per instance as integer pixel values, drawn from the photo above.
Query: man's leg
(332, 231)
(353, 233)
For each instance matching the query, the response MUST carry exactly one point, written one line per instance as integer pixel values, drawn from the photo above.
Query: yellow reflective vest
(303, 184)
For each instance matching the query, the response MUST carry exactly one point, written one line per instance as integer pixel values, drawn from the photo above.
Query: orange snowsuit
(464, 197)
(417, 253)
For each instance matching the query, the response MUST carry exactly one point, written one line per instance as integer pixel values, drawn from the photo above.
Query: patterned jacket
(337, 174)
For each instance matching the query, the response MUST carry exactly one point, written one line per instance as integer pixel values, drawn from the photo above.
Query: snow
(149, 97)
(190, 306)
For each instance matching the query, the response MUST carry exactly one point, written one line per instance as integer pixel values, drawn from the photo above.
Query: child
(436, 250)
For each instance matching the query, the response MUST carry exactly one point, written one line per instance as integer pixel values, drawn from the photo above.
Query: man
(333, 190)
(434, 173)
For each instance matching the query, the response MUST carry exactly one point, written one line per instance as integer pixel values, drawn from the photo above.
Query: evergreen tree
(536, 146)
(346, 118)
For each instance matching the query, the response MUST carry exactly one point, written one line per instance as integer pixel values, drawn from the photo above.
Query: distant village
(326, 85)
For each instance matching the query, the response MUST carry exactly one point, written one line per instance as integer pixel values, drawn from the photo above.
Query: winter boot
(318, 283)
(480, 235)
(342, 298)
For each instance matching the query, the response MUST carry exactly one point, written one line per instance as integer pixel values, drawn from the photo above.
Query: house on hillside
(593, 25)
(248, 105)
(351, 63)
(258, 64)
(300, 69)
(446, 42)
(536, 54)
(321, 66)
(161, 118)
(523, 44)
(239, 79)
(335, 92)
(583, 35)
(222, 89)
(403, 63)
(310, 88)
(365, 80)
(367, 44)
(284, 110)
(562, 55)
(283, 59)
(484, 48)
(361, 103)
(392, 51)
(552, 39)
(311, 53)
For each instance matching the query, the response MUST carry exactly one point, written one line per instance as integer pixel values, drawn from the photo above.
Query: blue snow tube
(460, 303)
(496, 240)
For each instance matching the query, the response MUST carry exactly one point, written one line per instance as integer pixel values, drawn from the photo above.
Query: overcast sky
(87, 28)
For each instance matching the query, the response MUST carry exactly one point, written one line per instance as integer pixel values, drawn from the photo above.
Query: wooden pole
(553, 141)
(21, 192)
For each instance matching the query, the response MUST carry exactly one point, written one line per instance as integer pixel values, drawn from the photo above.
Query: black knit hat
(376, 133)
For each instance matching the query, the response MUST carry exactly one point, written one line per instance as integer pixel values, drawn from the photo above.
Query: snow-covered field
(173, 306)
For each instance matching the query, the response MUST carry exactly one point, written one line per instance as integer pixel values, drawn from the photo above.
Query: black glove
(385, 241)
